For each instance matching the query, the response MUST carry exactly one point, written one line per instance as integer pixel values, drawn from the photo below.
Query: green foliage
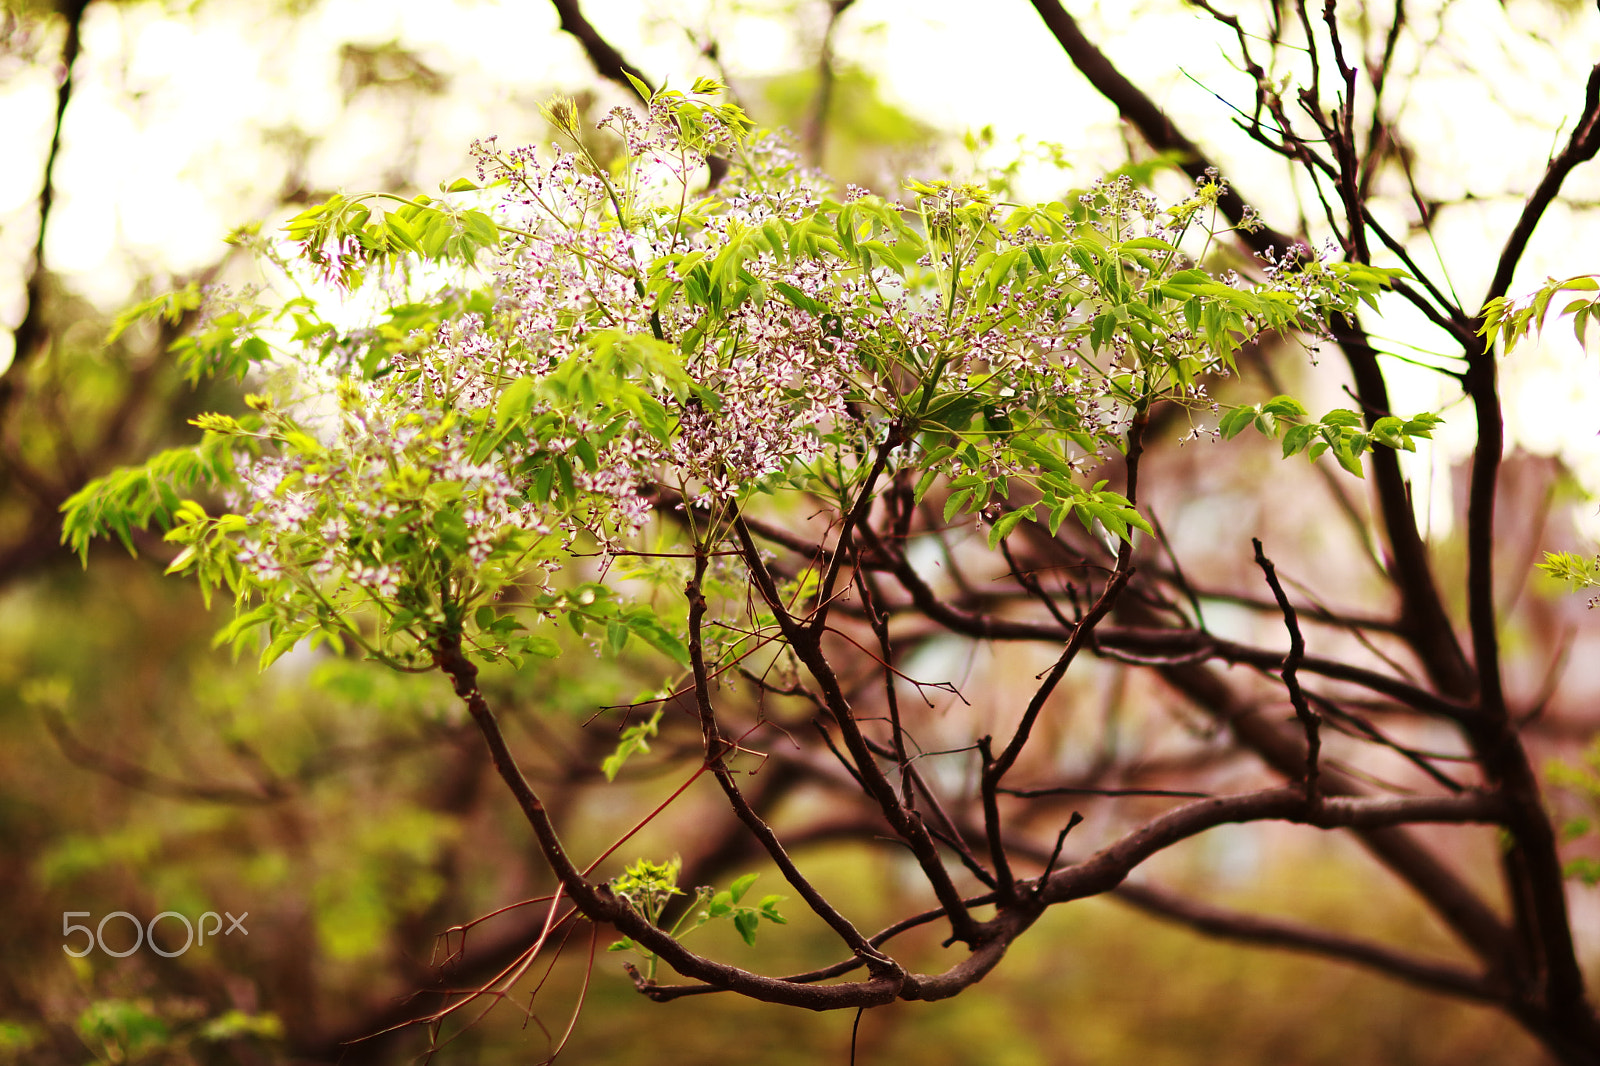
(15, 1039)
(433, 476)
(635, 739)
(1578, 572)
(1339, 431)
(343, 236)
(650, 886)
(1512, 319)
(1581, 782)
(134, 497)
(119, 1030)
(428, 473)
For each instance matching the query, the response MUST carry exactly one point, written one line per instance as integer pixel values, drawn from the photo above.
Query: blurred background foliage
(349, 810)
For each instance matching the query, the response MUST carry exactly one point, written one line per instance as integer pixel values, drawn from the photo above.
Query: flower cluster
(637, 329)
(367, 509)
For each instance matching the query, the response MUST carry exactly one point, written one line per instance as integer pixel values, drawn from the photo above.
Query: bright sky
(163, 146)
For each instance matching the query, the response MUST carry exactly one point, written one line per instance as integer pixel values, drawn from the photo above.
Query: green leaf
(634, 739)
(1235, 420)
(516, 400)
(955, 501)
(543, 647)
(799, 299)
(741, 885)
(638, 86)
(451, 530)
(281, 645)
(1007, 522)
(1298, 438)
(1149, 243)
(616, 636)
(645, 625)
(1138, 521)
(747, 921)
(1341, 416)
(1284, 405)
(1349, 457)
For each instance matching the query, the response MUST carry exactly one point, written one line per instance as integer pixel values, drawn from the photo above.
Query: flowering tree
(768, 429)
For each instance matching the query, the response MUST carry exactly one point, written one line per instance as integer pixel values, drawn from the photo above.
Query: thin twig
(1309, 719)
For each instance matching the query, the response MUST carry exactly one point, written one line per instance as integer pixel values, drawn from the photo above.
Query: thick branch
(1276, 932)
(1145, 115)
(29, 334)
(1106, 870)
(1461, 908)
(1532, 866)
(606, 60)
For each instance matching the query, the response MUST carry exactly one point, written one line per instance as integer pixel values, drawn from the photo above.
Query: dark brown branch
(806, 643)
(28, 337)
(1143, 113)
(1423, 618)
(1293, 936)
(1082, 634)
(879, 621)
(1107, 869)
(853, 521)
(1291, 664)
(606, 60)
(716, 750)
(1532, 867)
(599, 904)
(946, 831)
(1581, 148)
(667, 993)
(1456, 903)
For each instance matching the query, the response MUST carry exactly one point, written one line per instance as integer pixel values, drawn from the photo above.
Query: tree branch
(716, 749)
(606, 60)
(805, 642)
(1427, 626)
(28, 337)
(1291, 665)
(1105, 870)
(1581, 148)
(1273, 932)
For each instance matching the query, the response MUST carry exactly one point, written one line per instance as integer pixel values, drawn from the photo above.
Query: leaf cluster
(1338, 432)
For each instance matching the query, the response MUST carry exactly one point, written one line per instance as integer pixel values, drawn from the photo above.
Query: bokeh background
(352, 813)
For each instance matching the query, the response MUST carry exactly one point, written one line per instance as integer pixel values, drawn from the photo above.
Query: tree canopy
(727, 512)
